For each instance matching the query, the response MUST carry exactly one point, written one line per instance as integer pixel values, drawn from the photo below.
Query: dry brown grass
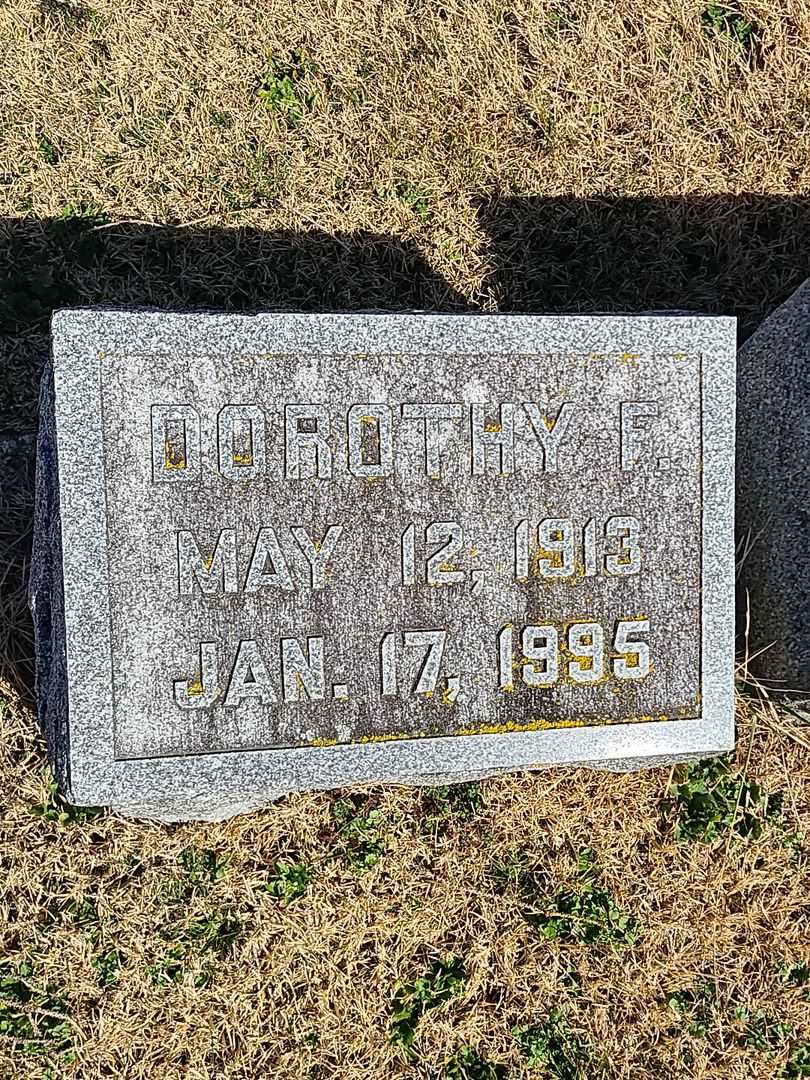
(155, 114)
(306, 989)
(534, 155)
(152, 113)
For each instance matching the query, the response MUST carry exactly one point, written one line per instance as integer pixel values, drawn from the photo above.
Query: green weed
(47, 150)
(719, 20)
(700, 1007)
(289, 881)
(312, 1039)
(70, 15)
(411, 1001)
(102, 92)
(585, 913)
(197, 870)
(762, 1031)
(107, 965)
(561, 19)
(709, 800)
(795, 844)
(553, 1046)
(570, 979)
(57, 809)
(84, 912)
(260, 183)
(798, 1066)
(82, 216)
(724, 23)
(697, 1005)
(213, 933)
(73, 16)
(197, 944)
(360, 839)
(413, 197)
(96, 20)
(441, 805)
(685, 104)
(283, 90)
(467, 1064)
(797, 974)
(510, 870)
(168, 968)
(34, 1019)
(202, 866)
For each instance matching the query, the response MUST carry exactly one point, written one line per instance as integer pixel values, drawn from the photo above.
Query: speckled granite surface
(206, 645)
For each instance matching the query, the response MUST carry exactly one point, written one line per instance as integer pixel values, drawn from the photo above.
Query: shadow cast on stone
(739, 255)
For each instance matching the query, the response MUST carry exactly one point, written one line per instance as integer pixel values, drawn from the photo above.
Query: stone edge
(45, 593)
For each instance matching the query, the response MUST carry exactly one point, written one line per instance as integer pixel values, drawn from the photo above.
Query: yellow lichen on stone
(170, 461)
(395, 735)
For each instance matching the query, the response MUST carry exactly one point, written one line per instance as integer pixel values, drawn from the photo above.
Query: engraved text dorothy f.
(485, 434)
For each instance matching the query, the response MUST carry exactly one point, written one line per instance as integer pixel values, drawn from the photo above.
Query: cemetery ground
(564, 925)
(532, 156)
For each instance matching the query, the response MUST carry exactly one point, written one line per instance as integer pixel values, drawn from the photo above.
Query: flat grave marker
(290, 551)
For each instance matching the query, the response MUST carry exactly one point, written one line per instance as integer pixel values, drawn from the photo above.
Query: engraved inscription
(355, 548)
(268, 566)
(175, 443)
(576, 652)
(490, 434)
(241, 431)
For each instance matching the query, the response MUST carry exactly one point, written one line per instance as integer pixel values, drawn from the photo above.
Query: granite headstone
(287, 551)
(773, 497)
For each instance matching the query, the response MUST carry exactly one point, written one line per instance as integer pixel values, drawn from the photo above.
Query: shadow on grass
(739, 255)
